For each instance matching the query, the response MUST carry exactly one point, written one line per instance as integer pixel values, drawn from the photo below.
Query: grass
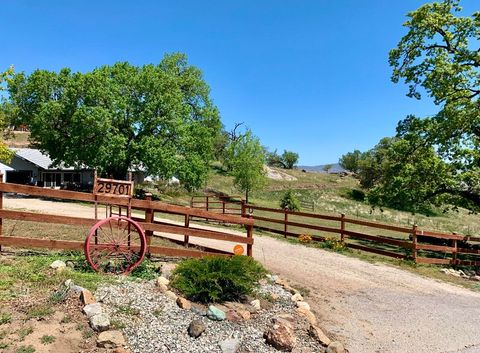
(25, 349)
(47, 339)
(24, 332)
(5, 318)
(40, 311)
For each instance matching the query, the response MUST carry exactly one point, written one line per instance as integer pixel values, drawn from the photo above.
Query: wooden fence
(412, 243)
(149, 209)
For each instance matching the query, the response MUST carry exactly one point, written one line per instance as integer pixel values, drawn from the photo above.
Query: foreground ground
(370, 307)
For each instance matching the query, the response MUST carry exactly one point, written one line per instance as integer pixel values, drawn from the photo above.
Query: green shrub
(357, 195)
(217, 279)
(290, 201)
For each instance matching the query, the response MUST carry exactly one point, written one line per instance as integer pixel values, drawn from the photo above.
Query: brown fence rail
(411, 243)
(153, 228)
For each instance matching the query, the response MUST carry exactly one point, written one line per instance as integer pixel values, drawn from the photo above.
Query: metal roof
(5, 168)
(38, 158)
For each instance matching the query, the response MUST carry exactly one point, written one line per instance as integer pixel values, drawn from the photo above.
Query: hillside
(330, 193)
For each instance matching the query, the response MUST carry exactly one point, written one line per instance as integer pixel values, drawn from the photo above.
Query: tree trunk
(246, 196)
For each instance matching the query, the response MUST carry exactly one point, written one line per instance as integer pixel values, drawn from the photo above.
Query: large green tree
(5, 153)
(115, 118)
(246, 161)
(440, 57)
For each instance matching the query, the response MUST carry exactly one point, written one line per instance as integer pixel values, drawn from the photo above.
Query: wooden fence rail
(151, 226)
(421, 246)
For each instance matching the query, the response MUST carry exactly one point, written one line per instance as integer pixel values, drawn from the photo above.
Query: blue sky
(307, 76)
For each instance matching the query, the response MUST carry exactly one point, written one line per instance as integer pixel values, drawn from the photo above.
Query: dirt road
(369, 307)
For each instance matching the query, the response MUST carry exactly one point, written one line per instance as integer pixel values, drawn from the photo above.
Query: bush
(217, 279)
(290, 201)
(357, 195)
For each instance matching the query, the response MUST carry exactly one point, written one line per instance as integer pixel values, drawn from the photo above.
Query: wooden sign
(112, 187)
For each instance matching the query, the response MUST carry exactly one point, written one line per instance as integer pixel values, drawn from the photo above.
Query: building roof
(5, 168)
(38, 158)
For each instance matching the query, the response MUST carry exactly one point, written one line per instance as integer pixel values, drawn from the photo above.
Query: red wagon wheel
(116, 245)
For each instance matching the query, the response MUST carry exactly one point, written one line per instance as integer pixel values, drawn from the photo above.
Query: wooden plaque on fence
(112, 187)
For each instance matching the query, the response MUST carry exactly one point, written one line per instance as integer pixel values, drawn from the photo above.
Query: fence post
(244, 209)
(285, 226)
(148, 219)
(223, 206)
(187, 225)
(414, 242)
(206, 204)
(250, 236)
(454, 254)
(342, 227)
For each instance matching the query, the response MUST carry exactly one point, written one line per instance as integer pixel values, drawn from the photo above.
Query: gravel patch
(152, 322)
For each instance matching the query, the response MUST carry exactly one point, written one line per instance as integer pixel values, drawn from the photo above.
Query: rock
(281, 337)
(167, 269)
(263, 282)
(92, 309)
(121, 350)
(162, 287)
(100, 322)
(284, 284)
(308, 315)
(303, 305)
(162, 280)
(196, 328)
(255, 304)
(58, 265)
(68, 283)
(265, 304)
(70, 264)
(335, 347)
(245, 314)
(215, 314)
(110, 339)
(274, 296)
(87, 297)
(171, 295)
(198, 309)
(285, 319)
(230, 345)
(233, 316)
(76, 289)
(184, 303)
(297, 297)
(475, 278)
(317, 333)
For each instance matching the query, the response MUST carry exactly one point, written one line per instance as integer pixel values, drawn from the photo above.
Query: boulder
(100, 322)
(184, 303)
(335, 347)
(308, 315)
(265, 304)
(233, 316)
(284, 319)
(245, 314)
(281, 337)
(215, 314)
(230, 345)
(171, 295)
(58, 264)
(92, 309)
(162, 280)
(196, 328)
(110, 339)
(297, 297)
(167, 269)
(303, 305)
(256, 304)
(87, 297)
(317, 333)
(162, 288)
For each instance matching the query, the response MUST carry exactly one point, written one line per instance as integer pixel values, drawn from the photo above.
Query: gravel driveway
(369, 307)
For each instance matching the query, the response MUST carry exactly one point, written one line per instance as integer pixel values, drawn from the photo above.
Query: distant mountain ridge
(336, 168)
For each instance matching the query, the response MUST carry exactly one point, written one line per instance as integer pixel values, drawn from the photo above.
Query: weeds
(46, 339)
(24, 332)
(5, 318)
(39, 312)
(26, 349)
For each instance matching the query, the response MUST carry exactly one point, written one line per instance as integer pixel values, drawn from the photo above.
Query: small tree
(350, 160)
(289, 159)
(326, 168)
(290, 201)
(5, 153)
(246, 160)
